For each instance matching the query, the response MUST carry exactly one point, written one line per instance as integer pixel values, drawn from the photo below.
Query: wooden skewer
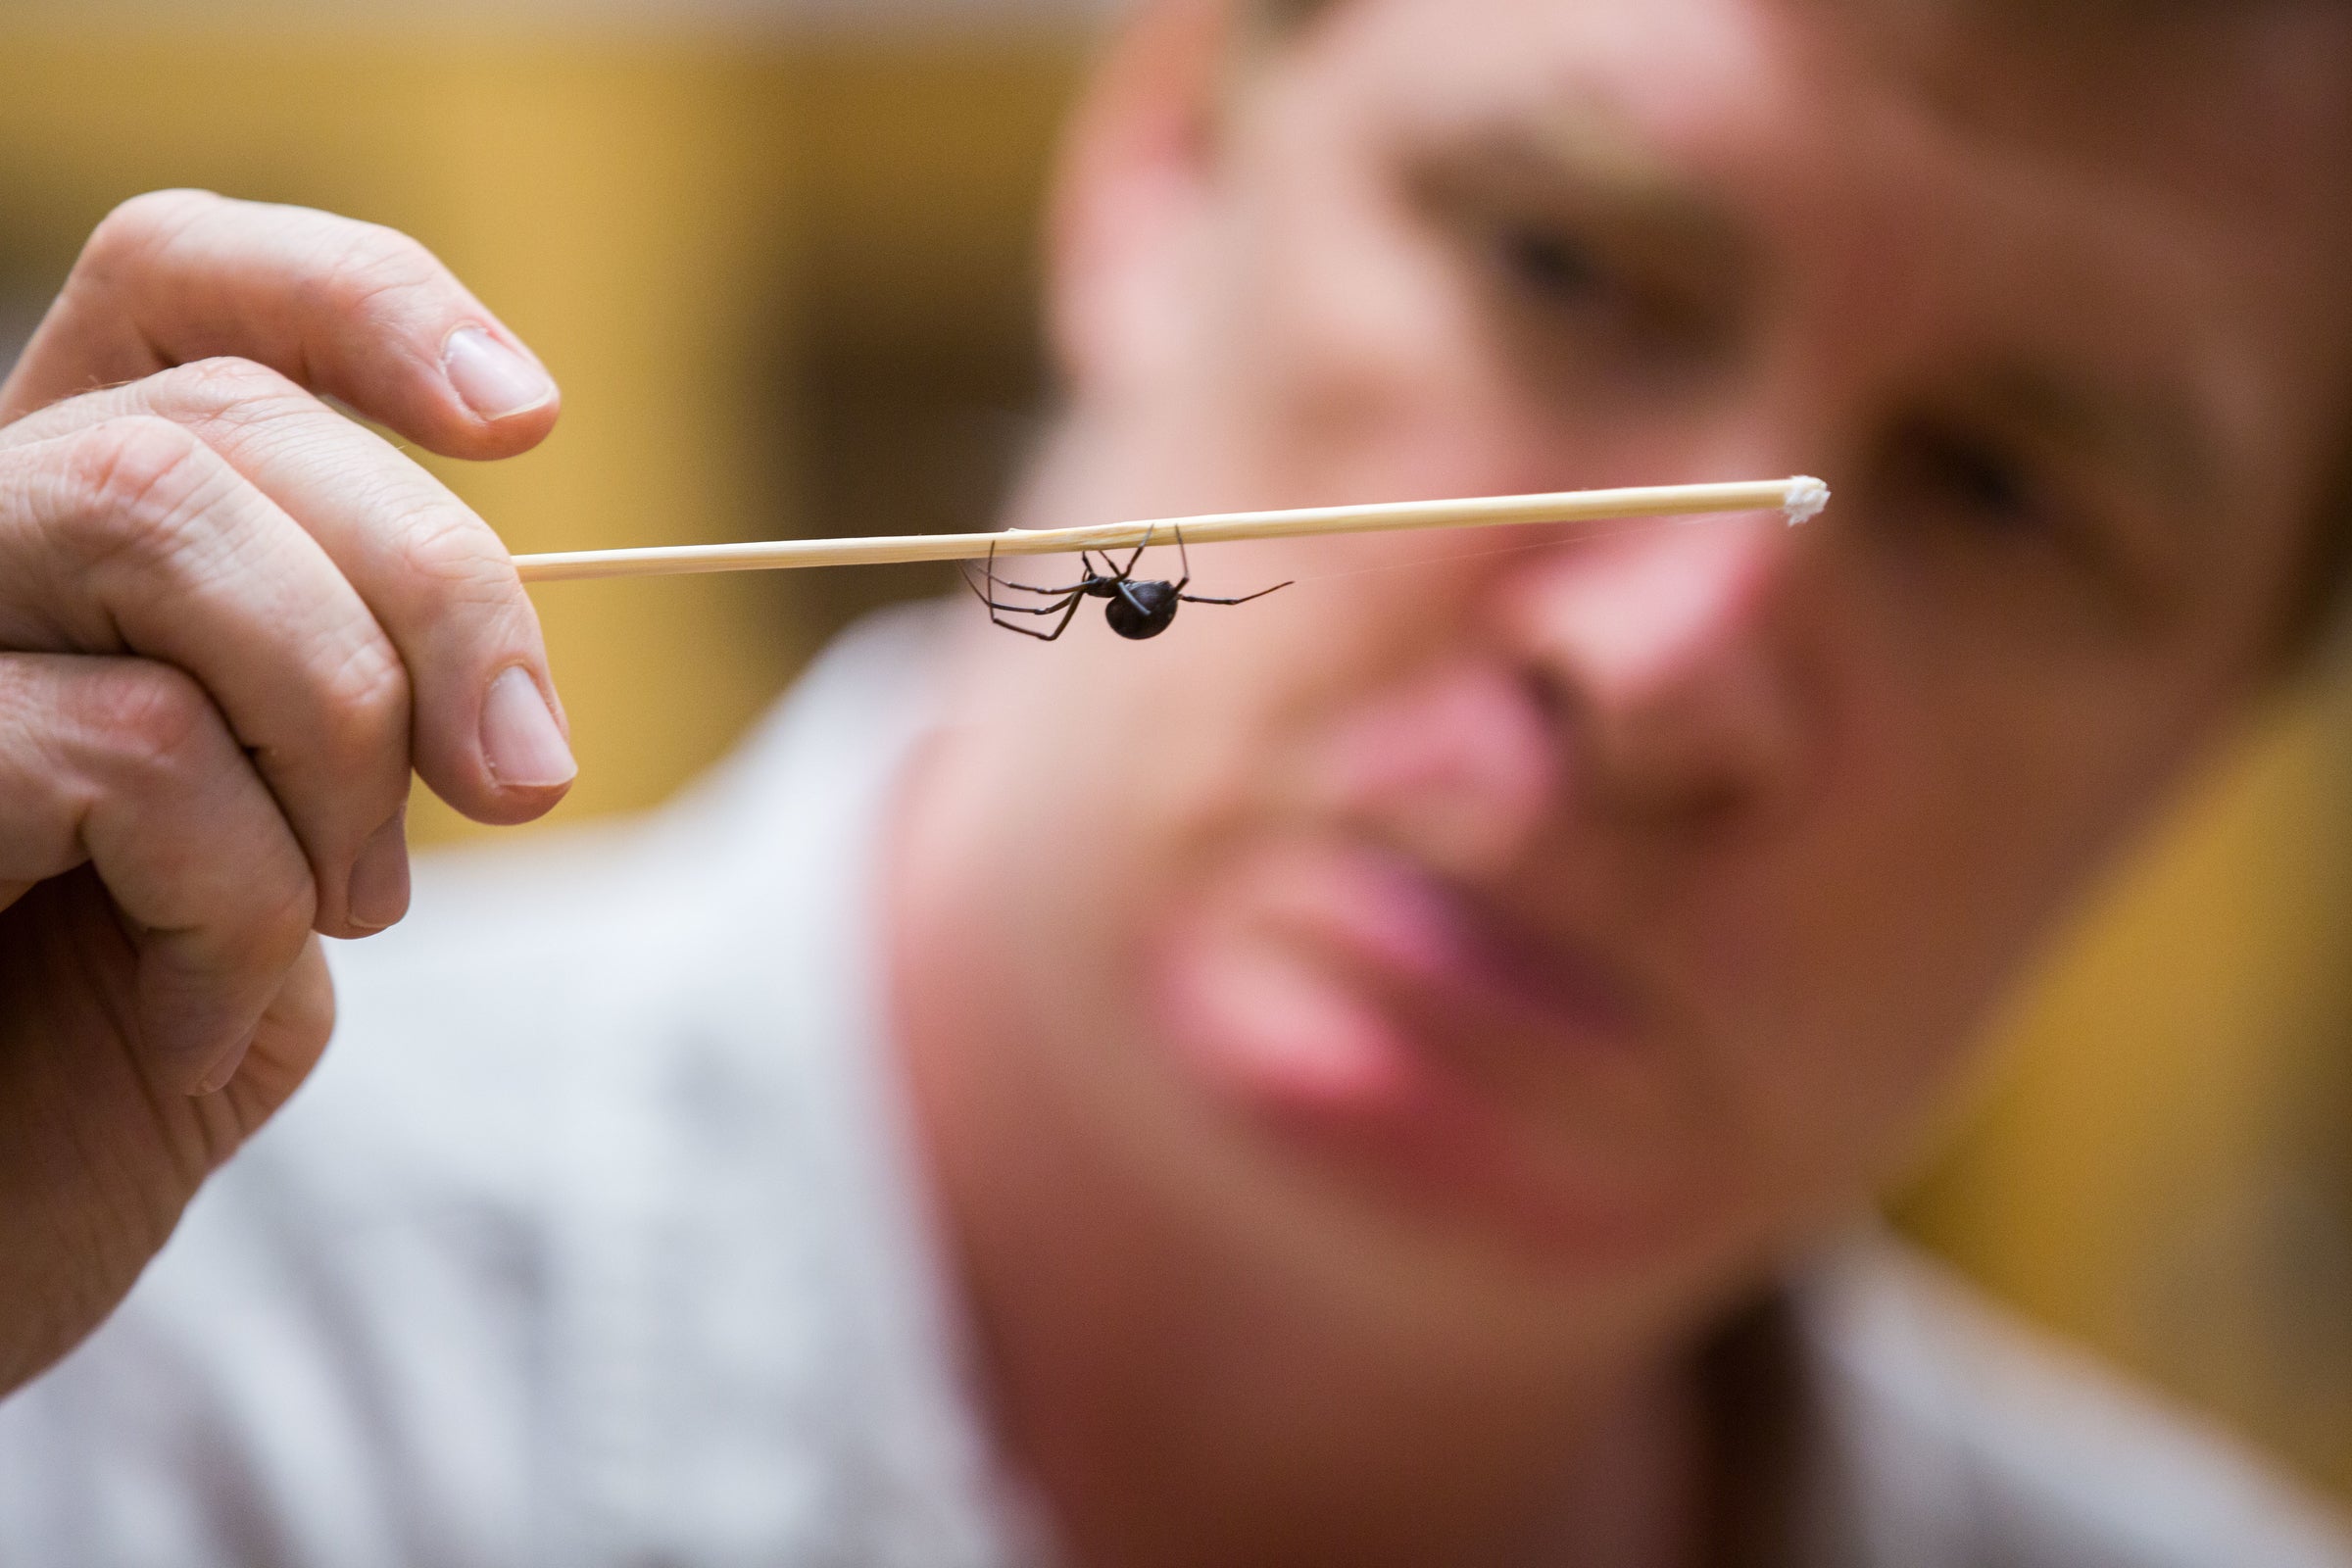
(1798, 498)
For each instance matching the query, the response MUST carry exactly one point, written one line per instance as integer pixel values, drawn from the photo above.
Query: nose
(1671, 662)
(1457, 768)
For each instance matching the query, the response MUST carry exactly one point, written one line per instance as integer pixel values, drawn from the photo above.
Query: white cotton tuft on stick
(1807, 496)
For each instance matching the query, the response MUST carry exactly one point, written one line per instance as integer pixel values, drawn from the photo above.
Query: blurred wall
(2162, 1164)
(784, 270)
(784, 280)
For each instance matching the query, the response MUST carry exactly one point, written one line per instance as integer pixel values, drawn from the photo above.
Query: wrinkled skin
(232, 623)
(1409, 1002)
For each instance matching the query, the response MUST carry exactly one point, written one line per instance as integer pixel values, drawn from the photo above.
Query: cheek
(1860, 960)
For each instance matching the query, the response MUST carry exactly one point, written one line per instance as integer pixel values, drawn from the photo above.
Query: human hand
(231, 623)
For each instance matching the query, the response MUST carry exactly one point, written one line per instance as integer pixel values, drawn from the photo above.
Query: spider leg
(1032, 588)
(1034, 609)
(997, 611)
(1068, 608)
(1085, 562)
(964, 570)
(994, 581)
(1128, 571)
(1060, 626)
(1199, 599)
(1184, 563)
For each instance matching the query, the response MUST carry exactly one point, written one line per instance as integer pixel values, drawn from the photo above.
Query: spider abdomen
(1141, 610)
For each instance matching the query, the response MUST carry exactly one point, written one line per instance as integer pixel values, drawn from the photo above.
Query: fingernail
(495, 381)
(378, 894)
(520, 740)
(224, 1070)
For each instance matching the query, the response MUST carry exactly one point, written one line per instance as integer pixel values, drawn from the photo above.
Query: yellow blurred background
(783, 265)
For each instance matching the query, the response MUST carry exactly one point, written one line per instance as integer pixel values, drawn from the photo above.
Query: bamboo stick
(1798, 498)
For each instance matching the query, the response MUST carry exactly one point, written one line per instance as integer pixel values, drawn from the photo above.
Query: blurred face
(1605, 908)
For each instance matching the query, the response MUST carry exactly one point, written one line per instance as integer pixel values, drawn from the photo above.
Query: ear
(1133, 190)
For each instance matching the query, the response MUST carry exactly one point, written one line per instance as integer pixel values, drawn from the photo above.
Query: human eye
(1995, 525)
(1598, 298)
(1972, 481)
(1575, 283)
(1548, 264)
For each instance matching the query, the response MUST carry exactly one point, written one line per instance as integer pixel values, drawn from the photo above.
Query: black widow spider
(1137, 609)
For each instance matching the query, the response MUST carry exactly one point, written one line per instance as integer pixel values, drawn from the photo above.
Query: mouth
(1365, 1008)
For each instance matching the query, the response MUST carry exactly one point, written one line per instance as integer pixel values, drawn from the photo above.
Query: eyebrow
(1587, 147)
(1575, 157)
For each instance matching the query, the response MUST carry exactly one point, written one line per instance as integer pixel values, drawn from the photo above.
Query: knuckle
(365, 697)
(373, 265)
(150, 730)
(138, 227)
(145, 483)
(456, 551)
(264, 925)
(128, 461)
(281, 905)
(150, 720)
(224, 385)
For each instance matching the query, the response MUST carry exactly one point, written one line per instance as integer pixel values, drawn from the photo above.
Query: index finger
(356, 311)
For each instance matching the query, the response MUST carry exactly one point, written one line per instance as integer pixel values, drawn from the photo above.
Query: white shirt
(599, 1239)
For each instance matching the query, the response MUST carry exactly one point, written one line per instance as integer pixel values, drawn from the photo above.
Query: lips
(1352, 999)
